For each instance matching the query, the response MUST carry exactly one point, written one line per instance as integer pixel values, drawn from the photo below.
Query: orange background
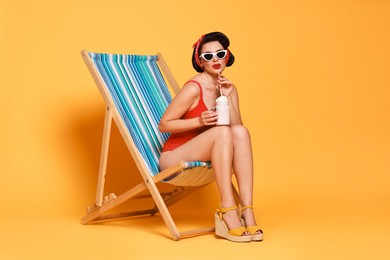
(314, 84)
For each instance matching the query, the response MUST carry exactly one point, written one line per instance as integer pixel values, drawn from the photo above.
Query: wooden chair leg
(104, 157)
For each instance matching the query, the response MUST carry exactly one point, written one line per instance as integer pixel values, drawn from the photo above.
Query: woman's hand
(226, 86)
(208, 118)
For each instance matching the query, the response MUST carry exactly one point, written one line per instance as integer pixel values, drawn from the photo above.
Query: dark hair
(212, 37)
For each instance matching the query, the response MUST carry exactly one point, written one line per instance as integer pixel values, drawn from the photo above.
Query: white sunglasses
(208, 56)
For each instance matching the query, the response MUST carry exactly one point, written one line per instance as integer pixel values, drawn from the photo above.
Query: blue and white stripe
(141, 96)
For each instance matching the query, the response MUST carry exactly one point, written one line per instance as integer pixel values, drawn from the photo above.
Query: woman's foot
(234, 229)
(232, 220)
(250, 222)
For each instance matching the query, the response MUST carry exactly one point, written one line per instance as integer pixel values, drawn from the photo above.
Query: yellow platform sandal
(221, 229)
(256, 232)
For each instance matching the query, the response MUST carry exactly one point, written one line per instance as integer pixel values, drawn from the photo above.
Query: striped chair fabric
(141, 96)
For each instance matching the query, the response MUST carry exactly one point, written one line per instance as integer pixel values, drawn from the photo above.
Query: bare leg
(215, 144)
(243, 168)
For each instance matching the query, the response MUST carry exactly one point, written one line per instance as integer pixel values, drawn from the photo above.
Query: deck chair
(136, 94)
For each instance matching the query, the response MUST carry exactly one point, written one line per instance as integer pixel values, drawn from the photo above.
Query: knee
(223, 133)
(240, 132)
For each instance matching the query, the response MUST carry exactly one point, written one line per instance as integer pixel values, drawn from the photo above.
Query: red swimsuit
(177, 139)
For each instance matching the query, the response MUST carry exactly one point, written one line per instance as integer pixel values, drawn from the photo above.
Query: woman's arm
(184, 101)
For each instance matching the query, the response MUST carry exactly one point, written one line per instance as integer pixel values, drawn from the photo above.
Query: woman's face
(215, 65)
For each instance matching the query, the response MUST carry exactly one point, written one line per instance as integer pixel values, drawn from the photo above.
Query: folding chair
(136, 95)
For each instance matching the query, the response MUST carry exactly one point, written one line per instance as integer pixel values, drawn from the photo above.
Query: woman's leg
(243, 168)
(215, 144)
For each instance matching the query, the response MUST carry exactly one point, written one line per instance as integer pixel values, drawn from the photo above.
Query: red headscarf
(196, 45)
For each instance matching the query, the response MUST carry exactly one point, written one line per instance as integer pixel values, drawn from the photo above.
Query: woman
(195, 136)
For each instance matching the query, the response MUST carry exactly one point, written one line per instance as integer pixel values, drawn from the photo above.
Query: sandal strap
(237, 231)
(254, 229)
(242, 208)
(246, 207)
(222, 211)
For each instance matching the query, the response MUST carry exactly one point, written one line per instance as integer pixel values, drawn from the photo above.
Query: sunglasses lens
(208, 56)
(221, 54)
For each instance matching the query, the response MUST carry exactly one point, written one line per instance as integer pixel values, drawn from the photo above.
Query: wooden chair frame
(96, 212)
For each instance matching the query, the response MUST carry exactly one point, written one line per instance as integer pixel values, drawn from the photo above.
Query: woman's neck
(209, 80)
